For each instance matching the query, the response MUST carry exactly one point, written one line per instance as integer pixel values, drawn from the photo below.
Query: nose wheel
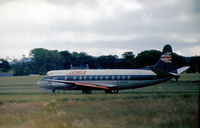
(177, 77)
(53, 91)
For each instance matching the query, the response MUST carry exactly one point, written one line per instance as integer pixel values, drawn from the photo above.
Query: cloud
(98, 26)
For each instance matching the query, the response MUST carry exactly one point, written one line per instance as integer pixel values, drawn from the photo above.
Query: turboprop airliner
(113, 80)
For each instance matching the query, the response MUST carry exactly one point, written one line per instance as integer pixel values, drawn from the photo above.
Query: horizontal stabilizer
(180, 70)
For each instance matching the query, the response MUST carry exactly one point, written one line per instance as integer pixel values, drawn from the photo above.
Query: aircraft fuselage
(116, 78)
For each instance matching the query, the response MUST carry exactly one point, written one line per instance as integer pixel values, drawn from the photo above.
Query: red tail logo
(167, 57)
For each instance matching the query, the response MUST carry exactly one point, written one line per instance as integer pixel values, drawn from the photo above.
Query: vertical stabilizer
(166, 60)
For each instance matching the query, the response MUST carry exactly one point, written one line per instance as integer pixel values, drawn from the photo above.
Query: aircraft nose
(39, 83)
(42, 84)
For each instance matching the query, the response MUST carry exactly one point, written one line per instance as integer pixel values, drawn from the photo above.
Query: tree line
(42, 60)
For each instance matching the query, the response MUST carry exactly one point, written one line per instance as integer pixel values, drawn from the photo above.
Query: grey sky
(99, 27)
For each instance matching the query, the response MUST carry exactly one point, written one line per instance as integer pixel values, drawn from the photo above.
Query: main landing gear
(86, 91)
(177, 77)
(89, 91)
(115, 91)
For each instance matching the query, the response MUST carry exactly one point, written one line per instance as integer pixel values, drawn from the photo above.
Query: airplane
(113, 80)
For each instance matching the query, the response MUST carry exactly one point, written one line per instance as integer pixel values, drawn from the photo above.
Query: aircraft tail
(165, 66)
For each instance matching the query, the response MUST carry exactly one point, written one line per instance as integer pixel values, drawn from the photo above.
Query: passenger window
(123, 77)
(85, 77)
(80, 77)
(113, 77)
(106, 77)
(69, 78)
(96, 77)
(90, 77)
(118, 77)
(128, 77)
(60, 78)
(74, 78)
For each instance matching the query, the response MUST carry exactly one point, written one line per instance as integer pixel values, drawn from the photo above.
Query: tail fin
(165, 66)
(166, 60)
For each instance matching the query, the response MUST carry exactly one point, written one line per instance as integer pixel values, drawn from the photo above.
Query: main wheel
(112, 91)
(115, 91)
(86, 91)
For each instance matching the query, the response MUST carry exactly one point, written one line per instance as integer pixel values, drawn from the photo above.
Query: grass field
(168, 105)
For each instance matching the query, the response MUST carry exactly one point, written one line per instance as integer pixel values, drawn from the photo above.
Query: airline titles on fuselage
(75, 73)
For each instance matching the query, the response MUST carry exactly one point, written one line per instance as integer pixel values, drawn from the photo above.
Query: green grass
(168, 105)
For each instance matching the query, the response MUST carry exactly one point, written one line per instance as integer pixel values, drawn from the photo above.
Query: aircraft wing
(98, 86)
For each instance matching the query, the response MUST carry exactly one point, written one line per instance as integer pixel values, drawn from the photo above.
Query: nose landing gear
(53, 91)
